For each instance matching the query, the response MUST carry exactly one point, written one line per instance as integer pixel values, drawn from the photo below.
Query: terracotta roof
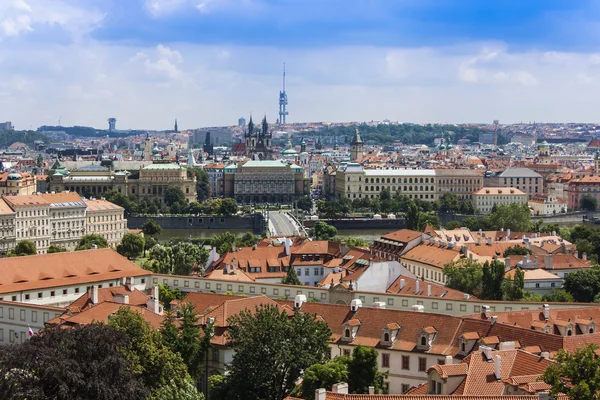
(432, 254)
(403, 235)
(339, 396)
(445, 371)
(318, 247)
(61, 197)
(62, 269)
(25, 200)
(101, 312)
(136, 297)
(5, 208)
(494, 191)
(534, 274)
(101, 205)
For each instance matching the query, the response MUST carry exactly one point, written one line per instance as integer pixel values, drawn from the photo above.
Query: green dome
(14, 177)
(544, 144)
(289, 152)
(155, 150)
(442, 147)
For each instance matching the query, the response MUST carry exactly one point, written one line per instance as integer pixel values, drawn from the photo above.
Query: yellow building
(17, 183)
(486, 198)
(106, 219)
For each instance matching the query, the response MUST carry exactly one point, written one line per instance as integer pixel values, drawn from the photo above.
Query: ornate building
(356, 147)
(265, 181)
(258, 142)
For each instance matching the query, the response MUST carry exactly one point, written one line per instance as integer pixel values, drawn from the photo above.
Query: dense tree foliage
(181, 258)
(151, 227)
(355, 242)
(272, 349)
(28, 137)
(513, 289)
(86, 362)
(291, 278)
(588, 203)
(56, 249)
(464, 275)
(304, 203)
(491, 282)
(363, 371)
(575, 374)
(584, 285)
(166, 295)
(323, 231)
(516, 251)
(202, 183)
(324, 376)
(91, 241)
(131, 246)
(23, 248)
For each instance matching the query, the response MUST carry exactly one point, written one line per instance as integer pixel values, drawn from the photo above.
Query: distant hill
(8, 138)
(87, 131)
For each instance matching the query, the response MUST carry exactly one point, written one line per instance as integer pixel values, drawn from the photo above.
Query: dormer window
(347, 334)
(389, 333)
(423, 341)
(426, 337)
(386, 337)
(467, 341)
(351, 329)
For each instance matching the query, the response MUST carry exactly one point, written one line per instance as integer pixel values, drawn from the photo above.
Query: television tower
(283, 101)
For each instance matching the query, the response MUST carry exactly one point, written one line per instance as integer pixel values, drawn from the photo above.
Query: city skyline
(209, 62)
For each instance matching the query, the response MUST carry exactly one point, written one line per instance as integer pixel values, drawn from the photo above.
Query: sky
(209, 62)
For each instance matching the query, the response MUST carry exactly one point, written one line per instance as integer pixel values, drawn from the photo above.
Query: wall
(362, 223)
(17, 318)
(254, 223)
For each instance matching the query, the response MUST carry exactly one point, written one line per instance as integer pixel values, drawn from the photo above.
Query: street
(280, 224)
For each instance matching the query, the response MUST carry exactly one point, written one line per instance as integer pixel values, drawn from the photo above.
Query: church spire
(176, 129)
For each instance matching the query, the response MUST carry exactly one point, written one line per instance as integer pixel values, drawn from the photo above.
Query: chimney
(417, 308)
(355, 305)
(371, 390)
(233, 247)
(341, 388)
(428, 290)
(508, 234)
(234, 265)
(155, 292)
(487, 352)
(548, 261)
(417, 286)
(506, 346)
(480, 232)
(299, 300)
(501, 229)
(498, 366)
(121, 298)
(506, 263)
(320, 394)
(466, 296)
(584, 256)
(402, 283)
(449, 360)
(545, 354)
(254, 247)
(153, 305)
(486, 311)
(287, 243)
(489, 241)
(227, 269)
(379, 304)
(94, 295)
(546, 312)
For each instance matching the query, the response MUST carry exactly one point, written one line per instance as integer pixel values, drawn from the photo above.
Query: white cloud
(16, 26)
(21, 5)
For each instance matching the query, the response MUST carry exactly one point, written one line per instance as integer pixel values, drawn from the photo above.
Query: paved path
(281, 225)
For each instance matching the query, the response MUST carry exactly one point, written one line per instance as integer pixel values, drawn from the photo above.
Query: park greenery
(92, 241)
(575, 374)
(23, 248)
(124, 359)
(9, 138)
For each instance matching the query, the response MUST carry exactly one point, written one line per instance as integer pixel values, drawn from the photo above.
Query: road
(280, 224)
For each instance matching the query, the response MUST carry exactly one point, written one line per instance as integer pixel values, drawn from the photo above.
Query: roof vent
(355, 305)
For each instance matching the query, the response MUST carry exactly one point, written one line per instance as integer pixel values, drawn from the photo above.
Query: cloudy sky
(208, 62)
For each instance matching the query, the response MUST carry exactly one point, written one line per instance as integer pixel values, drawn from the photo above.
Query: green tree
(584, 284)
(24, 248)
(356, 242)
(464, 275)
(449, 203)
(202, 183)
(188, 258)
(272, 349)
(304, 203)
(453, 225)
(516, 250)
(89, 241)
(554, 227)
(81, 362)
(166, 295)
(513, 289)
(56, 249)
(466, 207)
(559, 296)
(412, 217)
(228, 207)
(190, 345)
(157, 365)
(575, 374)
(363, 371)
(151, 227)
(588, 203)
(223, 242)
(291, 278)
(247, 240)
(323, 376)
(161, 259)
(174, 195)
(493, 277)
(131, 246)
(323, 231)
(428, 219)
(514, 216)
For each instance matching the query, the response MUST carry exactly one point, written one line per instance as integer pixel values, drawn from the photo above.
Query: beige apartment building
(67, 218)
(32, 220)
(106, 219)
(486, 198)
(461, 182)
(524, 179)
(17, 183)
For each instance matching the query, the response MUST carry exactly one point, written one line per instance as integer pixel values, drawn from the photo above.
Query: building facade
(524, 179)
(17, 183)
(264, 181)
(106, 219)
(485, 199)
(461, 182)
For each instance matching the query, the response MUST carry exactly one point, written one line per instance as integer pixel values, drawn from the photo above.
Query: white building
(547, 204)
(106, 219)
(486, 198)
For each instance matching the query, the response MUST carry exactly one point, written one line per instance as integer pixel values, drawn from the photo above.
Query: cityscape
(197, 202)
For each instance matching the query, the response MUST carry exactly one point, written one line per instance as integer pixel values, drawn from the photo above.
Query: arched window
(423, 341)
(405, 188)
(421, 188)
(347, 333)
(569, 332)
(463, 347)
(421, 180)
(409, 180)
(386, 337)
(591, 330)
(377, 188)
(372, 188)
(377, 180)
(388, 180)
(393, 180)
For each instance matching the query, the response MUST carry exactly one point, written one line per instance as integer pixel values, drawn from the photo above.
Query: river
(166, 234)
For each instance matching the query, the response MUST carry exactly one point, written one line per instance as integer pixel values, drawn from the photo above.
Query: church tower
(147, 150)
(356, 147)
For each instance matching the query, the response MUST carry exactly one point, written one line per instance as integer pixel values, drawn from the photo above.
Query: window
(316, 271)
(347, 333)
(441, 361)
(422, 364)
(423, 341)
(64, 292)
(14, 298)
(405, 387)
(215, 354)
(385, 360)
(406, 362)
(26, 297)
(347, 352)
(386, 337)
(39, 295)
(307, 271)
(76, 290)
(299, 272)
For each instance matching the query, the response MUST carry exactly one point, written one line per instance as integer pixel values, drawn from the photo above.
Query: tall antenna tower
(283, 101)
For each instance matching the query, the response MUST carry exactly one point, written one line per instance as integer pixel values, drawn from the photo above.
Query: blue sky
(207, 62)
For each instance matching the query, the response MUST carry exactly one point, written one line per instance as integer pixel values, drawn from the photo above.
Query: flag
(30, 331)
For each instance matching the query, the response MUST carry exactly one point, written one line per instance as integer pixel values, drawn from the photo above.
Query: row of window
(317, 271)
(393, 180)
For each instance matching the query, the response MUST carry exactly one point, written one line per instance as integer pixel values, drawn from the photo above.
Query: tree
(75, 363)
(157, 364)
(189, 344)
(151, 227)
(493, 276)
(453, 225)
(223, 242)
(559, 296)
(575, 374)
(449, 203)
(132, 245)
(89, 241)
(291, 278)
(24, 248)
(202, 183)
(166, 295)
(272, 349)
(247, 240)
(466, 207)
(514, 216)
(304, 203)
(588, 203)
(323, 376)
(516, 250)
(323, 231)
(188, 257)
(363, 371)
(56, 249)
(228, 207)
(356, 242)
(464, 275)
(412, 216)
(513, 288)
(161, 259)
(584, 284)
(428, 219)
(174, 195)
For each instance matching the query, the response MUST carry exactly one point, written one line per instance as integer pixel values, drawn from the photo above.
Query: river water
(166, 234)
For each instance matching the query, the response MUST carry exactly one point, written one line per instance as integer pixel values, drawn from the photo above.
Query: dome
(442, 147)
(14, 177)
(450, 146)
(544, 144)
(289, 152)
(155, 150)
